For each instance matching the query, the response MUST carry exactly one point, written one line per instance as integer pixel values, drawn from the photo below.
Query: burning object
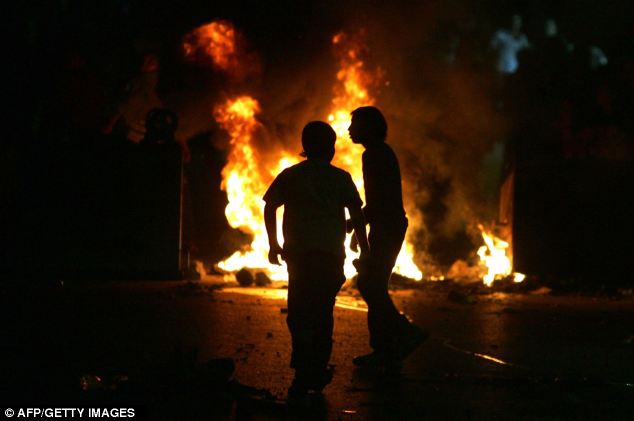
(247, 174)
(493, 257)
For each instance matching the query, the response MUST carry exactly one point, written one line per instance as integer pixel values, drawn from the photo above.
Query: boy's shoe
(309, 381)
(411, 340)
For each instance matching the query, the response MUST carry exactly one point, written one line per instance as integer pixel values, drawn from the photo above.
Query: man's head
(367, 126)
(318, 141)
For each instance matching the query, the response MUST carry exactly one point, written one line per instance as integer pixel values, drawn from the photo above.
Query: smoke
(439, 103)
(436, 95)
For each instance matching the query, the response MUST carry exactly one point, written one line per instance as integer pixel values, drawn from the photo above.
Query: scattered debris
(269, 335)
(461, 298)
(541, 291)
(244, 278)
(402, 282)
(262, 280)
(284, 310)
(463, 271)
(92, 382)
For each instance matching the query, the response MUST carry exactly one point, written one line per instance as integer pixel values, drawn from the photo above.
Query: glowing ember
(216, 40)
(245, 185)
(493, 257)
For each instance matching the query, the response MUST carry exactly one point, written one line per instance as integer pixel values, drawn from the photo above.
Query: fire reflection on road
(347, 302)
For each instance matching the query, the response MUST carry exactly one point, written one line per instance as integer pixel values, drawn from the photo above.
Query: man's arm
(270, 221)
(358, 223)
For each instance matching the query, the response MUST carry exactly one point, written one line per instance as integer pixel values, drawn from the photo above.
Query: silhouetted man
(314, 195)
(392, 336)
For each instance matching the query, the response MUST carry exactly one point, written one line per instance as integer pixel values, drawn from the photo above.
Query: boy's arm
(358, 223)
(270, 221)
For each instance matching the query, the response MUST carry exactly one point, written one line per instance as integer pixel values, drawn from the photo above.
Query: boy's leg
(314, 281)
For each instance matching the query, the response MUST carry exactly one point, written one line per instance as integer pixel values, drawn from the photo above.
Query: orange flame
(493, 257)
(245, 181)
(245, 185)
(351, 92)
(216, 40)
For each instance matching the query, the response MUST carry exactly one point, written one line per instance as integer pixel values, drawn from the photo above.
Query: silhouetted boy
(392, 336)
(314, 195)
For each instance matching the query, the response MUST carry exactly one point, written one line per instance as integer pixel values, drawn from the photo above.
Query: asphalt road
(489, 356)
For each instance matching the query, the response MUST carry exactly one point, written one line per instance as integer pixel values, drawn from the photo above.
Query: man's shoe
(367, 360)
(309, 381)
(376, 360)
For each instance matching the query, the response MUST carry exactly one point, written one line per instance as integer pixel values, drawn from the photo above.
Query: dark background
(77, 201)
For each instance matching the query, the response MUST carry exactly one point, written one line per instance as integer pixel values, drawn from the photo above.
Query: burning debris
(249, 170)
(493, 255)
(245, 183)
(244, 278)
(245, 177)
(352, 91)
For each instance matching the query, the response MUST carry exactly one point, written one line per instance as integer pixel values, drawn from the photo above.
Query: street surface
(489, 356)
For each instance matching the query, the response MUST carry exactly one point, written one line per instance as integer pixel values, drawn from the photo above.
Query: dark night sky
(113, 36)
(97, 48)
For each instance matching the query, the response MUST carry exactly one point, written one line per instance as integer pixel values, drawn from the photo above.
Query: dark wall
(96, 207)
(573, 221)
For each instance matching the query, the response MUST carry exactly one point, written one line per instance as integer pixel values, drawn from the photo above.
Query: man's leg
(392, 336)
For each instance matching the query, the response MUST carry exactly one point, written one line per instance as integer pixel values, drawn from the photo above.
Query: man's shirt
(382, 180)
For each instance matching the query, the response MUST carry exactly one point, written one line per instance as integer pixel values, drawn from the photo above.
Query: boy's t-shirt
(314, 195)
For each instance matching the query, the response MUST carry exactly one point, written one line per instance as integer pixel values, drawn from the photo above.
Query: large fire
(352, 91)
(245, 183)
(246, 176)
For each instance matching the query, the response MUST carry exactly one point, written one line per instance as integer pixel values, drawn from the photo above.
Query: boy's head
(367, 126)
(318, 141)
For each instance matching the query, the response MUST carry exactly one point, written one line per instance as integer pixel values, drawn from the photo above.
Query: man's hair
(318, 139)
(373, 120)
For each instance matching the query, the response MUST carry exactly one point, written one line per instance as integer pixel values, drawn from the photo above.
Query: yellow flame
(493, 256)
(216, 40)
(246, 181)
(351, 92)
(245, 185)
